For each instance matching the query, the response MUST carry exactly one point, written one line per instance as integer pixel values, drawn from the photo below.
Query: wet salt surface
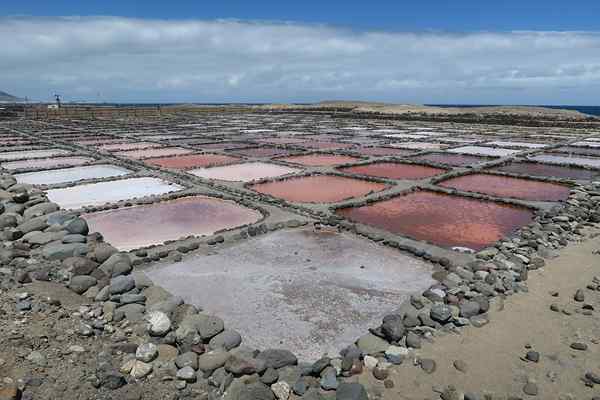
(455, 160)
(548, 170)
(318, 188)
(64, 175)
(245, 172)
(264, 151)
(504, 186)
(528, 145)
(383, 151)
(326, 145)
(128, 146)
(566, 159)
(46, 162)
(442, 219)
(169, 220)
(167, 151)
(419, 145)
(312, 293)
(223, 145)
(193, 161)
(320, 159)
(485, 151)
(394, 170)
(94, 194)
(15, 155)
(586, 151)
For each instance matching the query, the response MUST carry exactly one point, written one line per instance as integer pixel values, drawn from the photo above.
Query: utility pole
(57, 97)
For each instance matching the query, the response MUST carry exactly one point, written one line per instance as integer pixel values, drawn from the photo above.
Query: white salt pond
(94, 194)
(528, 145)
(17, 155)
(245, 172)
(484, 151)
(46, 162)
(574, 160)
(64, 175)
(310, 292)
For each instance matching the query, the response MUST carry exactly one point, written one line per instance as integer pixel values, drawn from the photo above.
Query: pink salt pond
(166, 151)
(394, 170)
(442, 219)
(244, 172)
(192, 161)
(549, 170)
(324, 145)
(455, 160)
(169, 220)
(318, 188)
(320, 160)
(504, 186)
(47, 162)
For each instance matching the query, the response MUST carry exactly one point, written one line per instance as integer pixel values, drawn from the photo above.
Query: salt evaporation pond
(441, 219)
(128, 146)
(309, 292)
(245, 172)
(264, 151)
(484, 151)
(168, 220)
(383, 151)
(318, 188)
(586, 151)
(549, 170)
(163, 152)
(16, 155)
(455, 160)
(419, 145)
(193, 161)
(574, 160)
(528, 145)
(64, 175)
(505, 186)
(94, 194)
(320, 160)
(46, 162)
(394, 170)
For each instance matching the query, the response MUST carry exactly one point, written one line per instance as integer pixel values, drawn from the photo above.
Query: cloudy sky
(252, 60)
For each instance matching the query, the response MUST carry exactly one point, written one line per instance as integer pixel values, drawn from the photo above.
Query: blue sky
(458, 15)
(510, 52)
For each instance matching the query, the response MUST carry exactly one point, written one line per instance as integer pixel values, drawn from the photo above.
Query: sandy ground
(494, 353)
(368, 107)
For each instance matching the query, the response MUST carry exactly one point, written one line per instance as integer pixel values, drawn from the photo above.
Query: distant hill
(7, 98)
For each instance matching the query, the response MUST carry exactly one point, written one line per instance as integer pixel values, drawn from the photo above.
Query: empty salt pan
(484, 151)
(245, 172)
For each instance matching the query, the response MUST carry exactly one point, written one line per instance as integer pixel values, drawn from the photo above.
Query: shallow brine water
(320, 160)
(245, 172)
(193, 161)
(383, 151)
(556, 171)
(169, 220)
(16, 155)
(442, 219)
(264, 151)
(565, 159)
(504, 186)
(310, 292)
(167, 151)
(65, 175)
(94, 194)
(318, 188)
(392, 170)
(46, 162)
(128, 146)
(455, 160)
(484, 151)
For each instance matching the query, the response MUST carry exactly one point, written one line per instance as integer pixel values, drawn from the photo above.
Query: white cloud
(127, 59)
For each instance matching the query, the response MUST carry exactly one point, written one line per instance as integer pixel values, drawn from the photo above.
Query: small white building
(52, 106)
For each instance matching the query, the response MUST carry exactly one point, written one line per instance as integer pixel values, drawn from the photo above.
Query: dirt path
(494, 354)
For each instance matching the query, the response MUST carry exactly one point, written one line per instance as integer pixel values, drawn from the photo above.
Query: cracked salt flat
(310, 292)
